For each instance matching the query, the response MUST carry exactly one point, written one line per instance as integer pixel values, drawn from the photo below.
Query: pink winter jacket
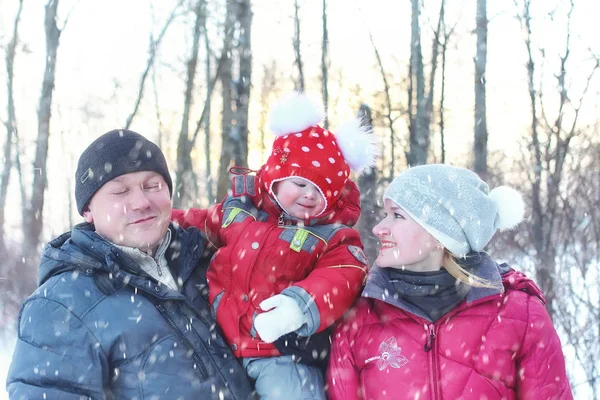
(491, 346)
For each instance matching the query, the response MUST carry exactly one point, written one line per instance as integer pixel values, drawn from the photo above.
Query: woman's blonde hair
(453, 267)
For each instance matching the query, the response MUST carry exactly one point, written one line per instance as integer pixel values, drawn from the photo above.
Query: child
(438, 318)
(288, 260)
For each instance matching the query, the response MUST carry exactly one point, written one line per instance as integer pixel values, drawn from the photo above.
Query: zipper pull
(280, 221)
(429, 342)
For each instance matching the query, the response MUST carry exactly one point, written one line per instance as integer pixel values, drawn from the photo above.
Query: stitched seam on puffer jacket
(70, 312)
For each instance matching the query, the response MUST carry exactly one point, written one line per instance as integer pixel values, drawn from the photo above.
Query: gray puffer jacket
(98, 327)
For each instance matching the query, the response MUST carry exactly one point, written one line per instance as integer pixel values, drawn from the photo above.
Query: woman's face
(404, 244)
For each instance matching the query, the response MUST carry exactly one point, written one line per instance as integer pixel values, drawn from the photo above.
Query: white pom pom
(511, 207)
(293, 113)
(357, 144)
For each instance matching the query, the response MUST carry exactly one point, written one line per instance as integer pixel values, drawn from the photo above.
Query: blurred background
(507, 88)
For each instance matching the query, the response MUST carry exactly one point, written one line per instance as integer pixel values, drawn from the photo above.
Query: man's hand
(285, 317)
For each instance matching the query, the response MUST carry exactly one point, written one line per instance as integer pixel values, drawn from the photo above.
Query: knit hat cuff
(455, 247)
(113, 154)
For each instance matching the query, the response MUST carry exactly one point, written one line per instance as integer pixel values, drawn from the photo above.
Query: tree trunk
(33, 218)
(244, 16)
(297, 51)
(435, 49)
(226, 79)
(419, 139)
(325, 64)
(209, 88)
(186, 187)
(367, 182)
(11, 126)
(447, 35)
(412, 125)
(267, 91)
(481, 134)
(537, 209)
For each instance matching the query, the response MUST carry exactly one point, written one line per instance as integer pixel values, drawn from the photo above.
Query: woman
(438, 318)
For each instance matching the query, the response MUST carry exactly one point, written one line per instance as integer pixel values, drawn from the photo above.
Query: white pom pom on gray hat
(511, 207)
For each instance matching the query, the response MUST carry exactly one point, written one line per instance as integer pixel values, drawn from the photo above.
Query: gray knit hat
(455, 206)
(113, 154)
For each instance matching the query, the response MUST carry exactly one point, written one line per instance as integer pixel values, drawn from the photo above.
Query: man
(120, 310)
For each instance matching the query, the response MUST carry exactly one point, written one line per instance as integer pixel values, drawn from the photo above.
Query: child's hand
(285, 317)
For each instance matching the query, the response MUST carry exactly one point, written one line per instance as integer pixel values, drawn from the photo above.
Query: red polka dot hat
(306, 150)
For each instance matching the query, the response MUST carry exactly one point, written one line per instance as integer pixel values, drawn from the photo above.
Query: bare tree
(33, 211)
(560, 159)
(388, 104)
(552, 133)
(186, 187)
(210, 84)
(226, 78)
(243, 84)
(267, 92)
(325, 63)
(435, 49)
(419, 132)
(159, 122)
(447, 34)
(11, 125)
(367, 182)
(481, 134)
(152, 51)
(297, 51)
(578, 279)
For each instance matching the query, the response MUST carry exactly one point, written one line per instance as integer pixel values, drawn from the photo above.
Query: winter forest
(507, 88)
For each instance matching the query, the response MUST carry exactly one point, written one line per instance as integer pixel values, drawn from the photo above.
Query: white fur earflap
(511, 207)
(293, 113)
(357, 144)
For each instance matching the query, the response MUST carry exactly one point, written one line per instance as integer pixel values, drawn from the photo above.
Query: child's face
(404, 243)
(299, 198)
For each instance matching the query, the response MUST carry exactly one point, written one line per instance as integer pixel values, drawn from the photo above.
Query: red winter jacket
(500, 346)
(263, 251)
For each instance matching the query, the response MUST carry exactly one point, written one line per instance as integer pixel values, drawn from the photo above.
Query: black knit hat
(113, 154)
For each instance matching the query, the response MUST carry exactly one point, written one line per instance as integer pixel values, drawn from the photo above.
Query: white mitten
(285, 317)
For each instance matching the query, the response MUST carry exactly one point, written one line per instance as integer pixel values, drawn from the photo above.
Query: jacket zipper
(433, 373)
(201, 368)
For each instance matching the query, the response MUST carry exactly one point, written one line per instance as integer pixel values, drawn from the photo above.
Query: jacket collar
(379, 287)
(83, 250)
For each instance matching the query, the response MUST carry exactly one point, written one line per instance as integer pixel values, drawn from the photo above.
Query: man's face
(132, 210)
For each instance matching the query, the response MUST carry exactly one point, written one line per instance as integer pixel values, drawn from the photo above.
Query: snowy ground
(7, 343)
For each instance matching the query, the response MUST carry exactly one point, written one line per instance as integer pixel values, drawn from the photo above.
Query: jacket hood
(517, 280)
(63, 253)
(379, 287)
(345, 211)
